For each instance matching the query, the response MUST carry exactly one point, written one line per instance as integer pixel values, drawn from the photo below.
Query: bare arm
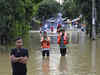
(19, 59)
(15, 59)
(24, 60)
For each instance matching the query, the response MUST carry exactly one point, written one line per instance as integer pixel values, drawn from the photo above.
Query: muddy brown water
(82, 58)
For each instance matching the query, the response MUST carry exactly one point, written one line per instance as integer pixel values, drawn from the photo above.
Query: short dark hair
(18, 38)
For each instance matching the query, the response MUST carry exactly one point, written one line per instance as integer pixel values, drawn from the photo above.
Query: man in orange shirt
(45, 44)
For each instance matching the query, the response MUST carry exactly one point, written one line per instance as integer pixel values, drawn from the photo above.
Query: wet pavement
(98, 57)
(82, 57)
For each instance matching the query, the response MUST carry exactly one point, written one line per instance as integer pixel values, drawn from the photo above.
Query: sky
(60, 1)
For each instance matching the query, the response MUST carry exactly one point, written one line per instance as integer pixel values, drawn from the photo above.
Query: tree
(37, 1)
(70, 9)
(16, 16)
(86, 9)
(97, 15)
(48, 8)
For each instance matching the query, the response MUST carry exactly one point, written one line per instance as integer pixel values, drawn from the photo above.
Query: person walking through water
(62, 40)
(45, 45)
(19, 57)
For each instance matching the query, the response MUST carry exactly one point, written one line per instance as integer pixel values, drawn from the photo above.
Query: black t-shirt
(19, 67)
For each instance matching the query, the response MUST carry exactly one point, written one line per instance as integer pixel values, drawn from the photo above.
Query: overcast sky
(59, 0)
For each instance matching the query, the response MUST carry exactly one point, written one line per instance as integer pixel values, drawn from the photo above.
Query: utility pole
(93, 20)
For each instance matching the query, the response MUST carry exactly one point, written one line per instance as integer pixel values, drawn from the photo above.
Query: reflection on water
(63, 65)
(75, 38)
(93, 56)
(45, 66)
(80, 61)
(98, 57)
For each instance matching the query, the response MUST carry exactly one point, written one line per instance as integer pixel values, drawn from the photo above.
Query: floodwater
(82, 57)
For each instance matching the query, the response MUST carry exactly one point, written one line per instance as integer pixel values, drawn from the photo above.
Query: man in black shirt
(19, 57)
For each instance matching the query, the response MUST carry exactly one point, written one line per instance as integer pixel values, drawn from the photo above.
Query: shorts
(45, 51)
(63, 51)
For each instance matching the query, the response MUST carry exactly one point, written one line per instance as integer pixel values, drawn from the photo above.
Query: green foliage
(15, 15)
(98, 15)
(48, 8)
(37, 1)
(70, 9)
(86, 9)
(98, 10)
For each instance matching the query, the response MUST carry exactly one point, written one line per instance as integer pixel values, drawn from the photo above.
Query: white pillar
(93, 20)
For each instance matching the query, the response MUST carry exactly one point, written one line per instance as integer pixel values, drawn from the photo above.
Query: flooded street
(97, 57)
(82, 57)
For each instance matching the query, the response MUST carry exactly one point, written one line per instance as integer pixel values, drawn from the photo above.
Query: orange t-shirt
(45, 44)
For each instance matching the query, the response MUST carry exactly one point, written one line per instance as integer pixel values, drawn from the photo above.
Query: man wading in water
(45, 45)
(19, 57)
(62, 40)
